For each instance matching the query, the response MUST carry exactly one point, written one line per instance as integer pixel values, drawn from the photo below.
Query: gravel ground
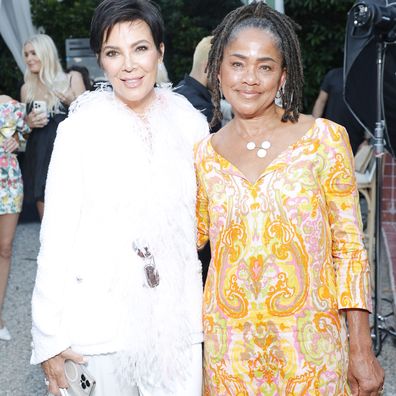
(19, 378)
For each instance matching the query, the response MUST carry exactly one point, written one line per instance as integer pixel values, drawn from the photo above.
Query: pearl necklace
(262, 149)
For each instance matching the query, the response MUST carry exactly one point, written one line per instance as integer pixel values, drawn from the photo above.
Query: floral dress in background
(287, 258)
(12, 115)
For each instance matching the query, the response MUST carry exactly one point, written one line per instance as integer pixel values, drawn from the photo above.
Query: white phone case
(81, 382)
(39, 106)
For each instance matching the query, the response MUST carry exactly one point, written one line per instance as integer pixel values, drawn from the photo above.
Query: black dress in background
(38, 155)
(199, 96)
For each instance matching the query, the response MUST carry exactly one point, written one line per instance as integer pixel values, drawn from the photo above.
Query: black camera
(371, 17)
(371, 27)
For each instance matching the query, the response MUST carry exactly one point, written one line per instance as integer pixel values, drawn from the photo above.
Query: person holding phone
(119, 282)
(47, 92)
(13, 129)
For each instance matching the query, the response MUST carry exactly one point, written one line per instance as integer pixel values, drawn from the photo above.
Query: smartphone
(81, 382)
(39, 106)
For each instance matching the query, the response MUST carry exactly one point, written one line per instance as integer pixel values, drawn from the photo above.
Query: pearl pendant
(261, 153)
(251, 146)
(262, 149)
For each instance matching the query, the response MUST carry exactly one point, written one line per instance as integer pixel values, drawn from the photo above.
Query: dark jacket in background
(199, 96)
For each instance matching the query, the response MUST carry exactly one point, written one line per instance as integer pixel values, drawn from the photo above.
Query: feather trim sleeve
(62, 210)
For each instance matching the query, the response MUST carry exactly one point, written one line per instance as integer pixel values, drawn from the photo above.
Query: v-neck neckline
(271, 166)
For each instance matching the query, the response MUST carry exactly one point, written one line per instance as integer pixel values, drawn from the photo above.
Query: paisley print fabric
(288, 257)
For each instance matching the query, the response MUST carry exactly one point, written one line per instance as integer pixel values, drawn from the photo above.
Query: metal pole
(379, 155)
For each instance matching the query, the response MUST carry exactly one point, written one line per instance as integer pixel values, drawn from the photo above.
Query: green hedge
(322, 39)
(187, 21)
(10, 75)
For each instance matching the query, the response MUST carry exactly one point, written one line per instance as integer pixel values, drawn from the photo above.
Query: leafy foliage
(10, 75)
(322, 38)
(63, 19)
(187, 21)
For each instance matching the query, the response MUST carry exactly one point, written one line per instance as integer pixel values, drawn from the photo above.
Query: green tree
(322, 37)
(63, 19)
(187, 21)
(10, 75)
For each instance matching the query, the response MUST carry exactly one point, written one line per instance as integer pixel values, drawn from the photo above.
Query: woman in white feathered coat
(121, 185)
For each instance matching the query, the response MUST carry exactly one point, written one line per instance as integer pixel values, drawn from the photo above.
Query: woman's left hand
(10, 145)
(365, 375)
(67, 98)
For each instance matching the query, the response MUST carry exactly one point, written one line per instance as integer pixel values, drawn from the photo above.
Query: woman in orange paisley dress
(278, 201)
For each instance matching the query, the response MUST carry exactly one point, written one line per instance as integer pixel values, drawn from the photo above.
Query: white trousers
(102, 368)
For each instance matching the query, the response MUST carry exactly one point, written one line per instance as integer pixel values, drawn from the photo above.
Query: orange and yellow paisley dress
(287, 258)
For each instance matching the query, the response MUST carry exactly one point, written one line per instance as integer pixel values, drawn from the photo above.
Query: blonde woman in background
(47, 92)
(162, 79)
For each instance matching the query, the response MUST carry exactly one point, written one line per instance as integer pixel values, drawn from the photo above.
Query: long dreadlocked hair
(260, 15)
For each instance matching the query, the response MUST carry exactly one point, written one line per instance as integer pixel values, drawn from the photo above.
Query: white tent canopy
(16, 26)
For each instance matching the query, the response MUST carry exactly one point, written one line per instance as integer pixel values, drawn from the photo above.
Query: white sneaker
(5, 334)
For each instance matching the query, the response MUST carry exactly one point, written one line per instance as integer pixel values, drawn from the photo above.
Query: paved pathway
(18, 377)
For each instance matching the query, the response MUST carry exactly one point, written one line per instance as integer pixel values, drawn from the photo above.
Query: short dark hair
(110, 12)
(260, 15)
(84, 74)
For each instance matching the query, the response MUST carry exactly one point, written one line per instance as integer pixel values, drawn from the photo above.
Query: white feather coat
(115, 177)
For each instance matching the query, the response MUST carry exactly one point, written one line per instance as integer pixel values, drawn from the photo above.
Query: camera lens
(361, 15)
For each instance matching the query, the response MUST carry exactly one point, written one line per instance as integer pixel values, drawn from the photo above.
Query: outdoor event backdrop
(187, 21)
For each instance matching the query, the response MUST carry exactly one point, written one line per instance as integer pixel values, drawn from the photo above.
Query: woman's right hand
(10, 145)
(36, 120)
(54, 370)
